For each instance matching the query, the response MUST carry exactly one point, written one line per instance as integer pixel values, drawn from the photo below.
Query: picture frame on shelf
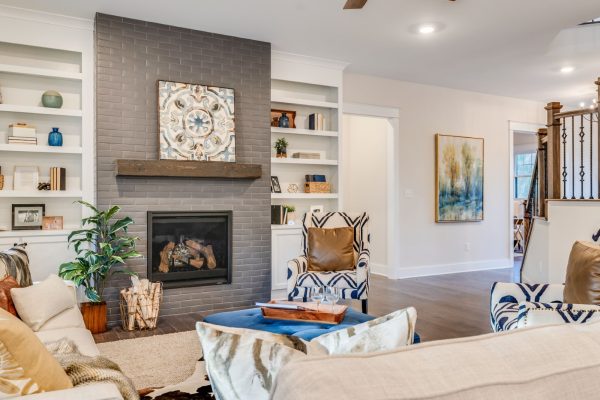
(26, 178)
(52, 223)
(27, 216)
(275, 186)
(276, 113)
(317, 209)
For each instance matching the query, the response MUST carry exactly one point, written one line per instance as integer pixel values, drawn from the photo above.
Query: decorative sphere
(52, 99)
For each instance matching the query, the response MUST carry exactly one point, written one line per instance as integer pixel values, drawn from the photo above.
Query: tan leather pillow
(330, 249)
(5, 298)
(582, 284)
(26, 366)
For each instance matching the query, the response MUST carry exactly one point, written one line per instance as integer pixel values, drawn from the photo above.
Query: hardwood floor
(448, 306)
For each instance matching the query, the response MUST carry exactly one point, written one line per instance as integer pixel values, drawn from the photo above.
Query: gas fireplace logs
(186, 253)
(140, 304)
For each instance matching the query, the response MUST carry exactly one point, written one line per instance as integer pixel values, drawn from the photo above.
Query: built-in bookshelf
(32, 62)
(305, 98)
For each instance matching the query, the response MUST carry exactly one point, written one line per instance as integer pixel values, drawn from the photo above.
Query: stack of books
(21, 133)
(316, 122)
(21, 140)
(278, 215)
(58, 178)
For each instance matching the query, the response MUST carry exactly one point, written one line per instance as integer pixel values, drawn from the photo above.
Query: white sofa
(69, 324)
(540, 363)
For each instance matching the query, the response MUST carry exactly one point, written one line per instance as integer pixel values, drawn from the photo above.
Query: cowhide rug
(196, 387)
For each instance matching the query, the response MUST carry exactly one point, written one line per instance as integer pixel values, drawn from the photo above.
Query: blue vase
(55, 138)
(284, 121)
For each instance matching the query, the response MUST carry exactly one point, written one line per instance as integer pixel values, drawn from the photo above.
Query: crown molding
(46, 18)
(308, 60)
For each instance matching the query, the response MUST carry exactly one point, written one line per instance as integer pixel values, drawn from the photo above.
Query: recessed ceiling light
(567, 69)
(427, 29)
(582, 104)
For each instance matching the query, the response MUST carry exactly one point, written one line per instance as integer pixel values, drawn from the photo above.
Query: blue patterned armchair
(353, 284)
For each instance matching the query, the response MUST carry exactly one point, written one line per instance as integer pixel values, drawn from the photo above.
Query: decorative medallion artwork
(196, 122)
(458, 179)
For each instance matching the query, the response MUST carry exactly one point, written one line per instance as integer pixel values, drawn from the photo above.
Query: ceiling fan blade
(354, 4)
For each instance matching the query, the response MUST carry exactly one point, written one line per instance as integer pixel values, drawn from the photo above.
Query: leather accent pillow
(15, 262)
(6, 302)
(582, 284)
(26, 367)
(39, 303)
(330, 249)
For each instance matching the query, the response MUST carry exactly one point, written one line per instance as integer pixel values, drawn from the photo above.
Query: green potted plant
(102, 248)
(281, 147)
(291, 213)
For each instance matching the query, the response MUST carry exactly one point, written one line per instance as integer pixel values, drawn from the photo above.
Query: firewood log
(206, 251)
(131, 309)
(164, 257)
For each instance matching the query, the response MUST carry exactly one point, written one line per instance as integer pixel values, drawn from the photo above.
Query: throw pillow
(6, 301)
(242, 366)
(26, 367)
(536, 314)
(15, 262)
(582, 284)
(330, 249)
(385, 333)
(38, 303)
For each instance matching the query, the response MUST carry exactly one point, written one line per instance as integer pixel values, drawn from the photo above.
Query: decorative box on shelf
(317, 187)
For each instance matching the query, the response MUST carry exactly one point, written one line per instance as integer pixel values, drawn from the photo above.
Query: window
(524, 164)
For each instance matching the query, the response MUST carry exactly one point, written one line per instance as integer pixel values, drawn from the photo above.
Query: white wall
(426, 247)
(568, 221)
(365, 179)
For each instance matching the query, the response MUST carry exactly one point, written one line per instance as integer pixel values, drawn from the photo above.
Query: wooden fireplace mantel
(188, 169)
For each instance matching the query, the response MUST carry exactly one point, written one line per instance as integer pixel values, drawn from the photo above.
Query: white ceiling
(504, 47)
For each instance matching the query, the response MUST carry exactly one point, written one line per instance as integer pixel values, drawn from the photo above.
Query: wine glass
(317, 294)
(332, 295)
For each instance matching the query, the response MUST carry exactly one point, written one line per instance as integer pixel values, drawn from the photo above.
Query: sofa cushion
(81, 337)
(15, 262)
(582, 282)
(546, 362)
(6, 301)
(330, 249)
(536, 314)
(39, 303)
(26, 366)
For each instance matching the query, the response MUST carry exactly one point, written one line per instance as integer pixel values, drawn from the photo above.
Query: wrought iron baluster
(564, 169)
(573, 157)
(581, 167)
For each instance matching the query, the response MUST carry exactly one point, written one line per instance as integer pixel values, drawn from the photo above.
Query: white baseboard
(443, 269)
(379, 269)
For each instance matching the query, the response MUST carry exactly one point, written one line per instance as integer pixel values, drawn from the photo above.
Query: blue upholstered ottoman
(253, 319)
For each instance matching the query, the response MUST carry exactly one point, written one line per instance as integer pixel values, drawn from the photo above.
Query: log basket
(140, 305)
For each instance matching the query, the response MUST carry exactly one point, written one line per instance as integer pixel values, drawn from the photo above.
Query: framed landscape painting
(458, 178)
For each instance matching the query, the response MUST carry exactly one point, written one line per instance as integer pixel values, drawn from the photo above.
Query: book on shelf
(22, 140)
(315, 178)
(21, 130)
(316, 122)
(307, 156)
(278, 215)
(58, 178)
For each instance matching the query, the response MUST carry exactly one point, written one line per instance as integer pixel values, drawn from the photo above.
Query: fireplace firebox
(189, 248)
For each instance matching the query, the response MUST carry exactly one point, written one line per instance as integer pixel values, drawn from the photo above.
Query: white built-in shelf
(310, 132)
(40, 110)
(42, 194)
(36, 232)
(304, 195)
(276, 227)
(302, 161)
(29, 148)
(303, 102)
(45, 72)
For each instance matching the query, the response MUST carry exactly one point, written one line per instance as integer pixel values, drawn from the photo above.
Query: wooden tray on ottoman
(325, 315)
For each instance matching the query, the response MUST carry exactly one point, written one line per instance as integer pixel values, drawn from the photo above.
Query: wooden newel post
(553, 150)
(542, 136)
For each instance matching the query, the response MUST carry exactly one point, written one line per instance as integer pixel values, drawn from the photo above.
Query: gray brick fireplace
(131, 56)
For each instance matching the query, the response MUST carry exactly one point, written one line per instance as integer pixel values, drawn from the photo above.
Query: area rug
(162, 367)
